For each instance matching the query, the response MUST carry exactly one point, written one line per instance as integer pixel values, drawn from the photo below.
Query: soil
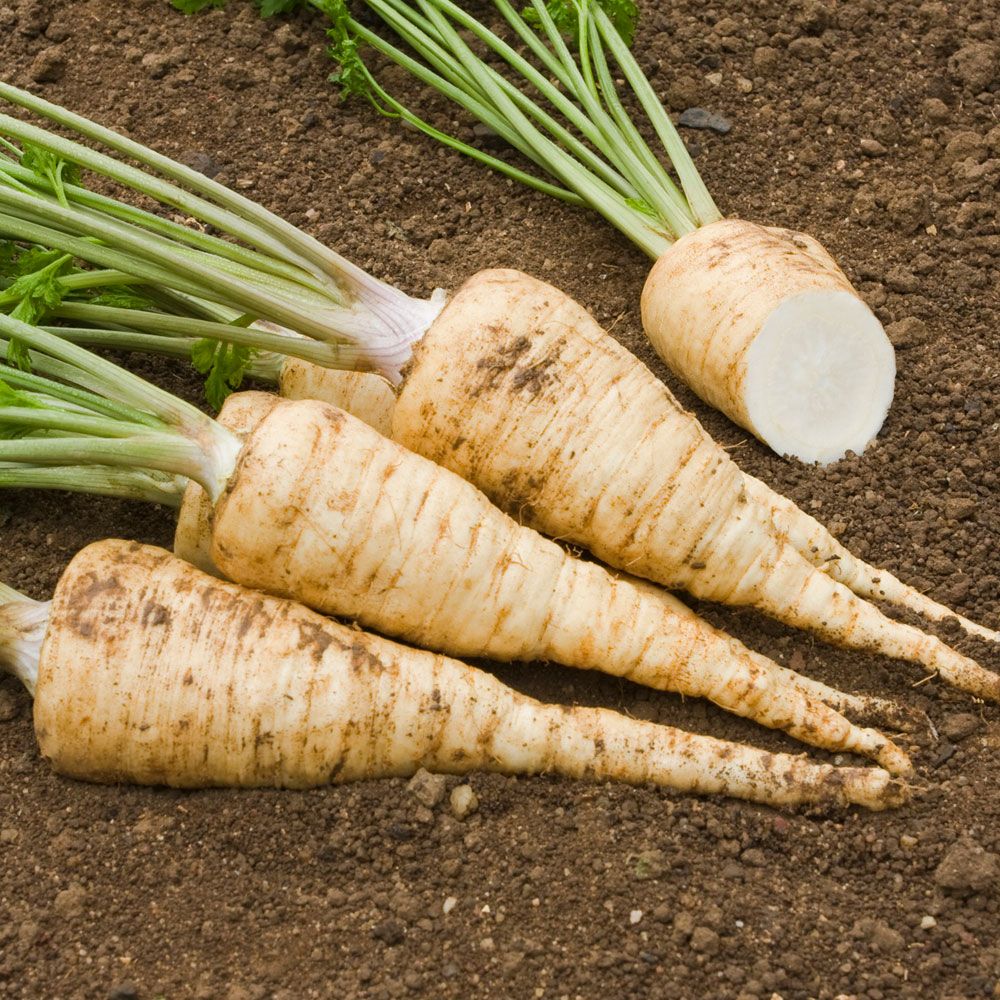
(871, 124)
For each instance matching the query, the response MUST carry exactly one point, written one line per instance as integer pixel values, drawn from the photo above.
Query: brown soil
(871, 124)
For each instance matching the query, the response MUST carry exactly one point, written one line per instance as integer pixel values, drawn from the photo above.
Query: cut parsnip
(763, 324)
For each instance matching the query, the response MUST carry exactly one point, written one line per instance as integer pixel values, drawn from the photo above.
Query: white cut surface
(819, 377)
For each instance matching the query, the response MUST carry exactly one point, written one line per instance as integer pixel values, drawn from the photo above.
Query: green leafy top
(195, 6)
(34, 292)
(353, 77)
(267, 8)
(570, 15)
(548, 89)
(225, 366)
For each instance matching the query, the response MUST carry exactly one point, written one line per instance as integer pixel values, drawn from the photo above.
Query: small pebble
(702, 119)
(885, 939)
(428, 789)
(976, 65)
(634, 917)
(70, 902)
(705, 940)
(961, 509)
(449, 904)
(48, 66)
(927, 922)
(908, 841)
(463, 801)
(872, 147)
(909, 332)
(967, 867)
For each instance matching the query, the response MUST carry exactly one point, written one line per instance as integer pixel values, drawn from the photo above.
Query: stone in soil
(701, 119)
(967, 867)
(463, 801)
(428, 789)
(49, 65)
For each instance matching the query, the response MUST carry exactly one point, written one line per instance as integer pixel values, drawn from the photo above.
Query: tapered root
(830, 609)
(463, 579)
(573, 436)
(866, 708)
(224, 686)
(815, 543)
(595, 743)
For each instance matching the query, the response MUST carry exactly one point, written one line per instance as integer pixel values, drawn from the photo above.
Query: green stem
(327, 355)
(206, 451)
(85, 398)
(266, 366)
(278, 237)
(613, 168)
(699, 199)
(51, 418)
(543, 150)
(109, 207)
(95, 480)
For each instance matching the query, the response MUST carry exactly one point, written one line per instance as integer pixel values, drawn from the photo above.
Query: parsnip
(215, 685)
(759, 321)
(578, 439)
(323, 509)
(763, 324)
(318, 506)
(802, 531)
(336, 315)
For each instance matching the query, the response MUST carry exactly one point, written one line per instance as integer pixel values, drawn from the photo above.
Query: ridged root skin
(813, 541)
(762, 324)
(220, 686)
(365, 395)
(240, 413)
(795, 592)
(560, 426)
(324, 510)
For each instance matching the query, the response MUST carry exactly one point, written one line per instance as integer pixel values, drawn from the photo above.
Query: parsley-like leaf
(194, 6)
(353, 76)
(16, 261)
(565, 14)
(224, 364)
(51, 169)
(10, 396)
(269, 8)
(36, 293)
(10, 430)
(121, 298)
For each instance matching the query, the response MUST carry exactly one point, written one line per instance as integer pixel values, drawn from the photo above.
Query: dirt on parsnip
(873, 125)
